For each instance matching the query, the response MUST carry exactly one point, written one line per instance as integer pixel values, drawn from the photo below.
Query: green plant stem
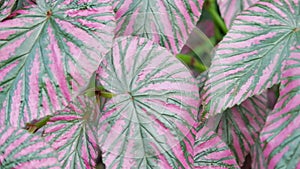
(218, 34)
(99, 90)
(213, 10)
(192, 62)
(33, 127)
(43, 121)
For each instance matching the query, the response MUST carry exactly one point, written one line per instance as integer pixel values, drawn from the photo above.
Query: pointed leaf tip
(251, 56)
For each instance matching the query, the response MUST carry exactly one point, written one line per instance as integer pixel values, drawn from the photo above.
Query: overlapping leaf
(6, 8)
(25, 3)
(72, 133)
(167, 22)
(281, 134)
(240, 126)
(211, 152)
(231, 8)
(19, 149)
(257, 157)
(46, 52)
(201, 79)
(250, 57)
(155, 107)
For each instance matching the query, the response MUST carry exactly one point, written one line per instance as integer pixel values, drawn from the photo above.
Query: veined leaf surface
(20, 149)
(47, 51)
(250, 57)
(72, 133)
(25, 3)
(148, 121)
(6, 8)
(257, 156)
(231, 8)
(211, 152)
(240, 126)
(281, 134)
(201, 79)
(166, 22)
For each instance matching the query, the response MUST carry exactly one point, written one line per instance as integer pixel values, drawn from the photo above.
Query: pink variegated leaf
(201, 79)
(20, 149)
(72, 133)
(6, 7)
(166, 22)
(18, 4)
(257, 156)
(211, 152)
(280, 136)
(47, 51)
(250, 57)
(231, 8)
(147, 124)
(240, 126)
(25, 3)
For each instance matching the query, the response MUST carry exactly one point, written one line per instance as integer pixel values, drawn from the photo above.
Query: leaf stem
(36, 125)
(192, 62)
(296, 29)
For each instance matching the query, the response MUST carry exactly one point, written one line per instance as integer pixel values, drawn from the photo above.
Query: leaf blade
(229, 9)
(166, 22)
(72, 132)
(49, 51)
(280, 136)
(250, 57)
(211, 152)
(20, 149)
(156, 102)
(240, 126)
(6, 8)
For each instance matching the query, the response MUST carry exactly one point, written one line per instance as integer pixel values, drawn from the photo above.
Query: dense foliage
(150, 84)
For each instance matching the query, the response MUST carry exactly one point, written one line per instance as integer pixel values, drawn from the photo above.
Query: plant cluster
(136, 84)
